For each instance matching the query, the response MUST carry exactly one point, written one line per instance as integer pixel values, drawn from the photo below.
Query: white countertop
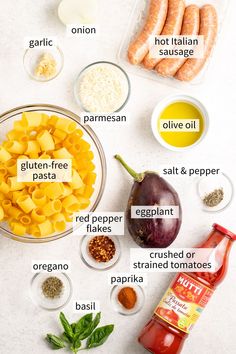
(22, 324)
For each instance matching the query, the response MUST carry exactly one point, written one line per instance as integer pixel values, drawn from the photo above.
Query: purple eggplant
(149, 189)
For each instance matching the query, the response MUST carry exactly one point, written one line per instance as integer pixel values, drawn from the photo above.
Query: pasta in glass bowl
(42, 211)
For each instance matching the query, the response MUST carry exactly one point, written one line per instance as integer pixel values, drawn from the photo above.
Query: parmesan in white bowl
(102, 87)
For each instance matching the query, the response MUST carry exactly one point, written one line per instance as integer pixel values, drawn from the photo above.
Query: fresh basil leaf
(73, 327)
(99, 336)
(55, 341)
(83, 323)
(65, 337)
(91, 327)
(67, 327)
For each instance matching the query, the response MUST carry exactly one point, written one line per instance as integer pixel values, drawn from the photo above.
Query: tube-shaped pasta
(17, 228)
(34, 230)
(76, 181)
(31, 189)
(89, 155)
(31, 119)
(52, 121)
(13, 134)
(39, 198)
(45, 228)
(52, 207)
(2, 214)
(78, 133)
(42, 208)
(4, 154)
(3, 171)
(66, 125)
(15, 212)
(83, 202)
(90, 179)
(11, 167)
(26, 203)
(25, 219)
(62, 153)
(60, 134)
(15, 147)
(6, 204)
(44, 120)
(88, 191)
(54, 190)
(66, 190)
(17, 194)
(84, 145)
(4, 187)
(23, 138)
(33, 147)
(45, 141)
(14, 185)
(70, 141)
(18, 126)
(70, 204)
(37, 215)
(59, 222)
(56, 140)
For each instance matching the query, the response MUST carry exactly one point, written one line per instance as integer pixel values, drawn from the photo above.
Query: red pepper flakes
(102, 248)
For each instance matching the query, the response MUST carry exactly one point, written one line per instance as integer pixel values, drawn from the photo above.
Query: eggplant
(149, 189)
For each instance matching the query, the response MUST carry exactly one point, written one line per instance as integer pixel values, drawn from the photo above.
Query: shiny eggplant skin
(159, 233)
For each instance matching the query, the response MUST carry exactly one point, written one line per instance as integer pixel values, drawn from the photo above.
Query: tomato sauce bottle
(186, 298)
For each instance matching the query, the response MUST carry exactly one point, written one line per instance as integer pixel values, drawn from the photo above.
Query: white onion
(77, 11)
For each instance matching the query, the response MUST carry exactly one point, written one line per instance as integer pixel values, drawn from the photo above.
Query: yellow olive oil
(181, 111)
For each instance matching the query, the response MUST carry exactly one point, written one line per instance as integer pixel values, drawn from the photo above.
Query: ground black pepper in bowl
(214, 198)
(102, 248)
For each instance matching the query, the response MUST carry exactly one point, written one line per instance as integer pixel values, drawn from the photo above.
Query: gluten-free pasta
(41, 209)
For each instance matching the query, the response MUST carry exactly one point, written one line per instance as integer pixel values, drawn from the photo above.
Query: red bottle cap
(225, 231)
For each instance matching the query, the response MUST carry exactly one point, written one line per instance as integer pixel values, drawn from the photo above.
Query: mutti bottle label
(183, 303)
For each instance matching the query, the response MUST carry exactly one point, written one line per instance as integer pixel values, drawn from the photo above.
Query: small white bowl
(118, 307)
(166, 102)
(32, 57)
(91, 262)
(57, 303)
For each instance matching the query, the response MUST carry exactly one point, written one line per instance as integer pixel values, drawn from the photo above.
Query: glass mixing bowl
(6, 123)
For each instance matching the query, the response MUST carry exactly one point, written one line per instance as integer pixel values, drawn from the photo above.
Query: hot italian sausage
(208, 28)
(169, 66)
(172, 27)
(154, 25)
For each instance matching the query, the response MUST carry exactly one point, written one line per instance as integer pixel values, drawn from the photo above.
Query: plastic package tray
(137, 19)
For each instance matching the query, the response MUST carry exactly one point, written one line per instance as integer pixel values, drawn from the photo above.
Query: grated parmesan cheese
(103, 88)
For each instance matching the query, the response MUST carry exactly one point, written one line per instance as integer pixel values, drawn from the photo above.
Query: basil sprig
(75, 333)
(99, 336)
(67, 327)
(56, 342)
(91, 327)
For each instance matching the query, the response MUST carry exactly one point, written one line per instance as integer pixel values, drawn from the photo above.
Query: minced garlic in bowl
(102, 87)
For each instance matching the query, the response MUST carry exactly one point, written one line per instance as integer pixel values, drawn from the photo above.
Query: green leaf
(67, 327)
(91, 327)
(55, 341)
(83, 323)
(99, 336)
(65, 337)
(73, 327)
